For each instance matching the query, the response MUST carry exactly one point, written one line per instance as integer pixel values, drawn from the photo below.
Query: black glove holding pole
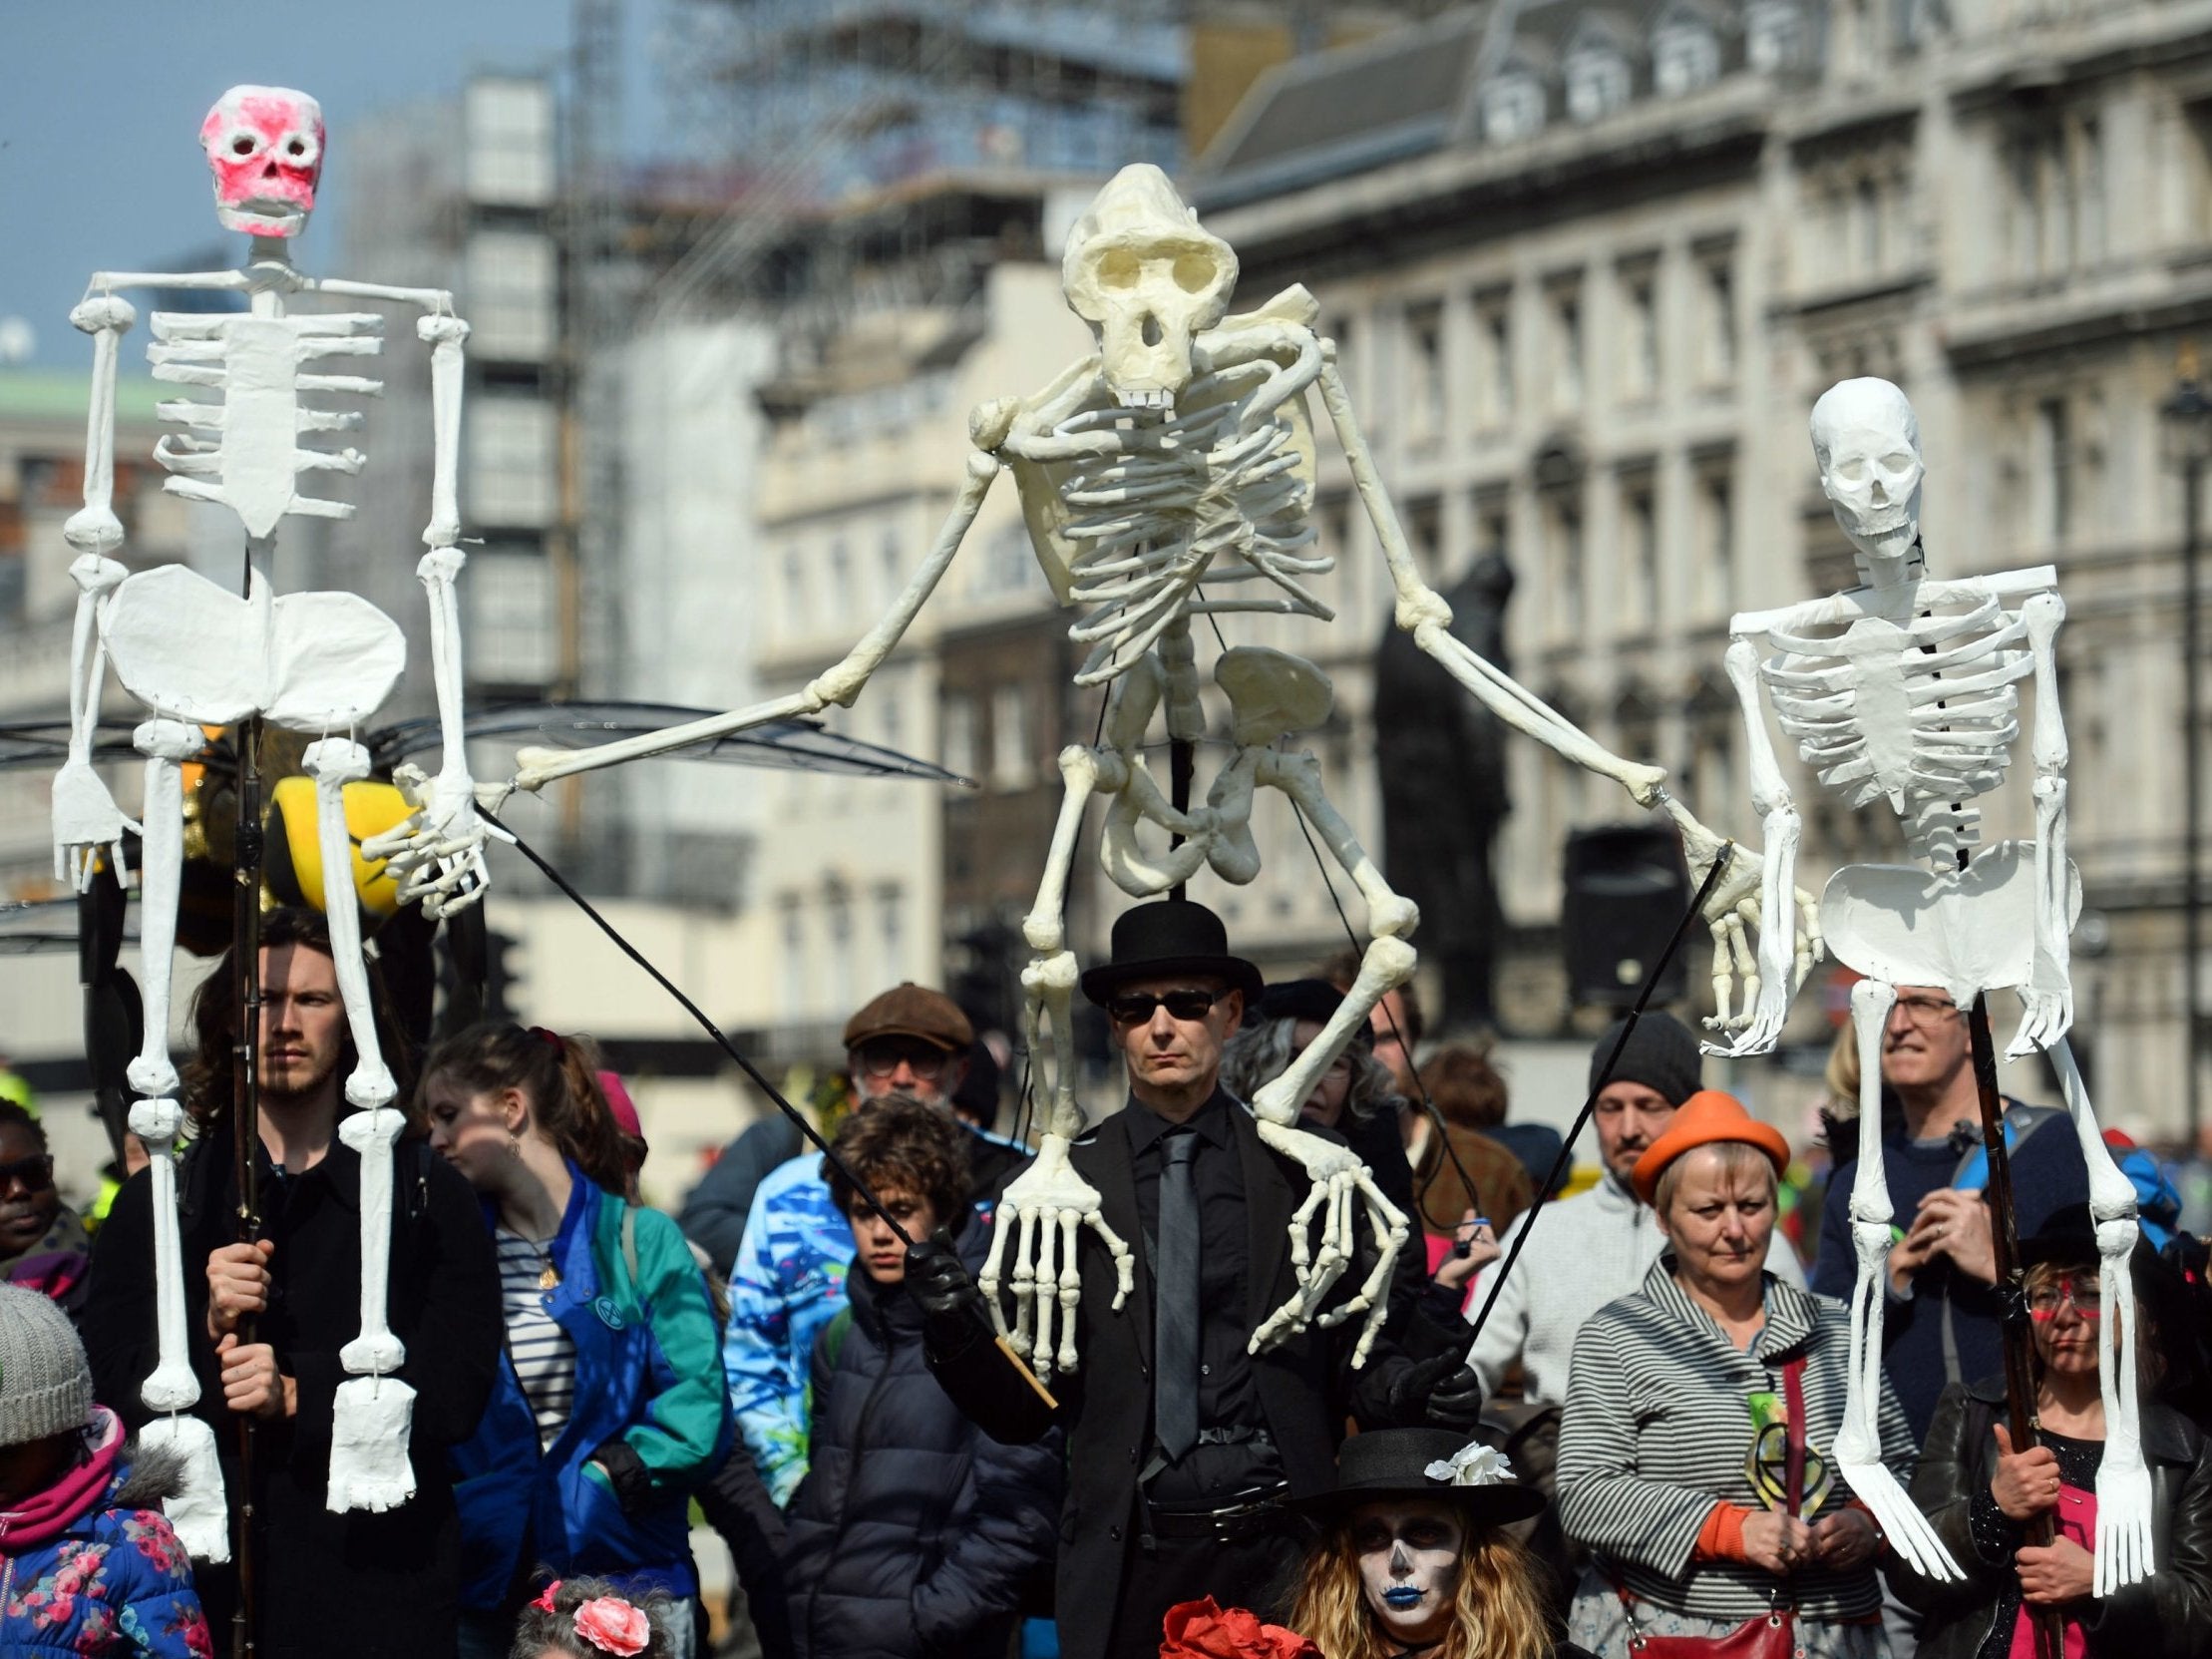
(953, 1313)
(1441, 1392)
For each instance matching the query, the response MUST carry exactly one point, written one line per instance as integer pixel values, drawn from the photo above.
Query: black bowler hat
(1404, 1463)
(1314, 1000)
(1174, 936)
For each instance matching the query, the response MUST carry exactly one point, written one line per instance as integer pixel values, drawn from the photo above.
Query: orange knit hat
(1705, 1117)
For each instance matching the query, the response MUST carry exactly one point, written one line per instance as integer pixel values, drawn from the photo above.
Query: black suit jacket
(1307, 1386)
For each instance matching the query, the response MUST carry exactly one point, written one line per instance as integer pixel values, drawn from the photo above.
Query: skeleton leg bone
(198, 1512)
(369, 1466)
(1858, 1443)
(2123, 1493)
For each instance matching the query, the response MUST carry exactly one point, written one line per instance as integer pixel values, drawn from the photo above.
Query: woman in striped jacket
(1673, 1448)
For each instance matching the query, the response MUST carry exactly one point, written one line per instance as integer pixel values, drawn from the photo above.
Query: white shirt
(1588, 1250)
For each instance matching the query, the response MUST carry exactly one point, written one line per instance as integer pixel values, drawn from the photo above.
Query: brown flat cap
(910, 1009)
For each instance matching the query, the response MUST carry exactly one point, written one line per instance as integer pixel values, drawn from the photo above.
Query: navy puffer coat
(913, 1534)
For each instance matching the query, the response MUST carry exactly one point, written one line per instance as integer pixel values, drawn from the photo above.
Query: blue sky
(101, 102)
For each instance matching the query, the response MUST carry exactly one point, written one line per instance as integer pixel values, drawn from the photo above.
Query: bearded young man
(324, 1584)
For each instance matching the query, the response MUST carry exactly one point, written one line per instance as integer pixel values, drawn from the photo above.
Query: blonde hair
(1737, 1159)
(1499, 1610)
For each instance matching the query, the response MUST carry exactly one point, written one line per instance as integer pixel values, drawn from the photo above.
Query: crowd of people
(1600, 1423)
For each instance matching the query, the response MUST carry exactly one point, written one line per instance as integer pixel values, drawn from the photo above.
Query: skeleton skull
(264, 145)
(1867, 442)
(1146, 279)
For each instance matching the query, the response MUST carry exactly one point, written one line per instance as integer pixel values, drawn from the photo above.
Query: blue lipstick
(1402, 1595)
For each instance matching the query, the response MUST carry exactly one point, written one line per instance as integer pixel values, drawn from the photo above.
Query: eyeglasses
(2087, 1300)
(881, 1060)
(33, 1174)
(1136, 1008)
(1928, 1012)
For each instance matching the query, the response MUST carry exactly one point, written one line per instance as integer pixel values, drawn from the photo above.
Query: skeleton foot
(2045, 1017)
(1338, 1179)
(1046, 1204)
(437, 853)
(86, 823)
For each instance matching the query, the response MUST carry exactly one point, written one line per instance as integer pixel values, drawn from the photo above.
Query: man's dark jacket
(328, 1584)
(1306, 1387)
(2165, 1617)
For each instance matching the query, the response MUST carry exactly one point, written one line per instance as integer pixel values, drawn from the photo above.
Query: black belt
(1252, 1513)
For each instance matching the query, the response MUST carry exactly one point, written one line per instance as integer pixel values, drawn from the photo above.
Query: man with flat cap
(1183, 1447)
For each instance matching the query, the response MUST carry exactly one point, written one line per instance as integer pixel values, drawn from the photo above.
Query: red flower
(1201, 1630)
(612, 1625)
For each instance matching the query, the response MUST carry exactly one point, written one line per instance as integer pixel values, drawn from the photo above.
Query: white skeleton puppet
(197, 653)
(1165, 480)
(1905, 690)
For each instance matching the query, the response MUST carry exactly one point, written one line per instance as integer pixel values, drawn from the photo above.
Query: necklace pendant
(549, 1277)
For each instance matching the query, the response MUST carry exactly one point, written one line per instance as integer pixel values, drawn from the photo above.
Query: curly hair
(1260, 1053)
(898, 1145)
(209, 1080)
(558, 1075)
(1500, 1611)
(542, 1632)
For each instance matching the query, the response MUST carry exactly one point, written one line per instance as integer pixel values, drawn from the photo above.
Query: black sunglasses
(1135, 1007)
(33, 1174)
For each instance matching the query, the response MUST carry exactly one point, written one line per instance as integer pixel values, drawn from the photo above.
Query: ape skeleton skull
(1867, 442)
(265, 146)
(1145, 276)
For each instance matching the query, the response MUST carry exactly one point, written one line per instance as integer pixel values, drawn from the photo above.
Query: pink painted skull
(264, 145)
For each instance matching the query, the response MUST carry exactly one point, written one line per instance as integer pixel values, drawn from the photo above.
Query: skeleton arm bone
(86, 818)
(2048, 994)
(234, 281)
(1767, 995)
(437, 852)
(841, 684)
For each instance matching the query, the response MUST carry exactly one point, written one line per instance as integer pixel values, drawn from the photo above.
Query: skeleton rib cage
(252, 465)
(1924, 713)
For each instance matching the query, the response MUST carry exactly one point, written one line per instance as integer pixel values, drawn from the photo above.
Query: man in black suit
(1182, 1446)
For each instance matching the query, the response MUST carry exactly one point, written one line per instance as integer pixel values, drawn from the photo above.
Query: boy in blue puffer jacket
(87, 1565)
(915, 1534)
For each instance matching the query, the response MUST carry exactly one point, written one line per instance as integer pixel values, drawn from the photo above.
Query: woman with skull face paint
(1414, 1559)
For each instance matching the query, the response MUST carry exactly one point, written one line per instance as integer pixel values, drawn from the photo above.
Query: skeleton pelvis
(1967, 930)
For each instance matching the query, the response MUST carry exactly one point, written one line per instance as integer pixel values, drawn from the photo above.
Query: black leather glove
(1411, 1390)
(1456, 1401)
(951, 1303)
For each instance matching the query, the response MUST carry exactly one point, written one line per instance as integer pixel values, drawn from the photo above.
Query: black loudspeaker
(1627, 889)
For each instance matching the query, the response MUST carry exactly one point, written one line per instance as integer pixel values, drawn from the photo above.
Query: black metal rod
(245, 1114)
(2192, 772)
(1564, 1161)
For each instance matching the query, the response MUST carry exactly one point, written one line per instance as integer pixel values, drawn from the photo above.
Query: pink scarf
(2077, 1519)
(44, 1516)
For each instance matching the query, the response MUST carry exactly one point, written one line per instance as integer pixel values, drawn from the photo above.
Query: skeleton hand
(1047, 1202)
(2045, 1017)
(1731, 913)
(1339, 1177)
(87, 822)
(437, 854)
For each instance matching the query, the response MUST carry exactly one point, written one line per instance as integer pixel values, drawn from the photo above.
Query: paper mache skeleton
(1904, 690)
(194, 654)
(1165, 479)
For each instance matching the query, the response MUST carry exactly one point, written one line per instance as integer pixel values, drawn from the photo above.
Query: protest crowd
(1634, 1454)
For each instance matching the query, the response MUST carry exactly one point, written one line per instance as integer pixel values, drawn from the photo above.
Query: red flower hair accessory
(613, 1625)
(544, 1603)
(1203, 1630)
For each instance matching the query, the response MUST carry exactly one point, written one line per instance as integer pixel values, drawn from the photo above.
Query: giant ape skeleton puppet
(1904, 690)
(196, 653)
(1168, 478)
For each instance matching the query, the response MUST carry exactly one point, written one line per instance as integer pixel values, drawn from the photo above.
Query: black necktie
(1174, 1309)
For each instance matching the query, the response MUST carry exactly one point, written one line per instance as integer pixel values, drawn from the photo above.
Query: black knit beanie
(1662, 1055)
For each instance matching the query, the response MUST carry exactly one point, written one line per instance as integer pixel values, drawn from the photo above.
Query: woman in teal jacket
(610, 1406)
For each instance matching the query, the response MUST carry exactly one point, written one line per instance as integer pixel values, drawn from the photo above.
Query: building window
(837, 928)
(512, 461)
(1494, 359)
(1685, 57)
(1493, 524)
(2051, 475)
(1010, 766)
(1513, 108)
(792, 972)
(960, 734)
(1640, 345)
(1598, 82)
(1774, 35)
(1717, 320)
(1565, 562)
(512, 630)
(795, 590)
(1566, 347)
(508, 153)
(894, 559)
(1641, 551)
(891, 932)
(510, 295)
(1716, 541)
(1424, 392)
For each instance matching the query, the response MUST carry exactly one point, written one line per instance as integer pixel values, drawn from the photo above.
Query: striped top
(1659, 1428)
(544, 1355)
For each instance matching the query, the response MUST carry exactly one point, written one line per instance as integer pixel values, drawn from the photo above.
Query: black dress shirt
(1228, 1398)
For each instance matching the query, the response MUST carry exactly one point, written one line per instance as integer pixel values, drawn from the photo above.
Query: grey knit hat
(1662, 1055)
(45, 1380)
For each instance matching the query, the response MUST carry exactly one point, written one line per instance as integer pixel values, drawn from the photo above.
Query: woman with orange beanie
(1693, 1457)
